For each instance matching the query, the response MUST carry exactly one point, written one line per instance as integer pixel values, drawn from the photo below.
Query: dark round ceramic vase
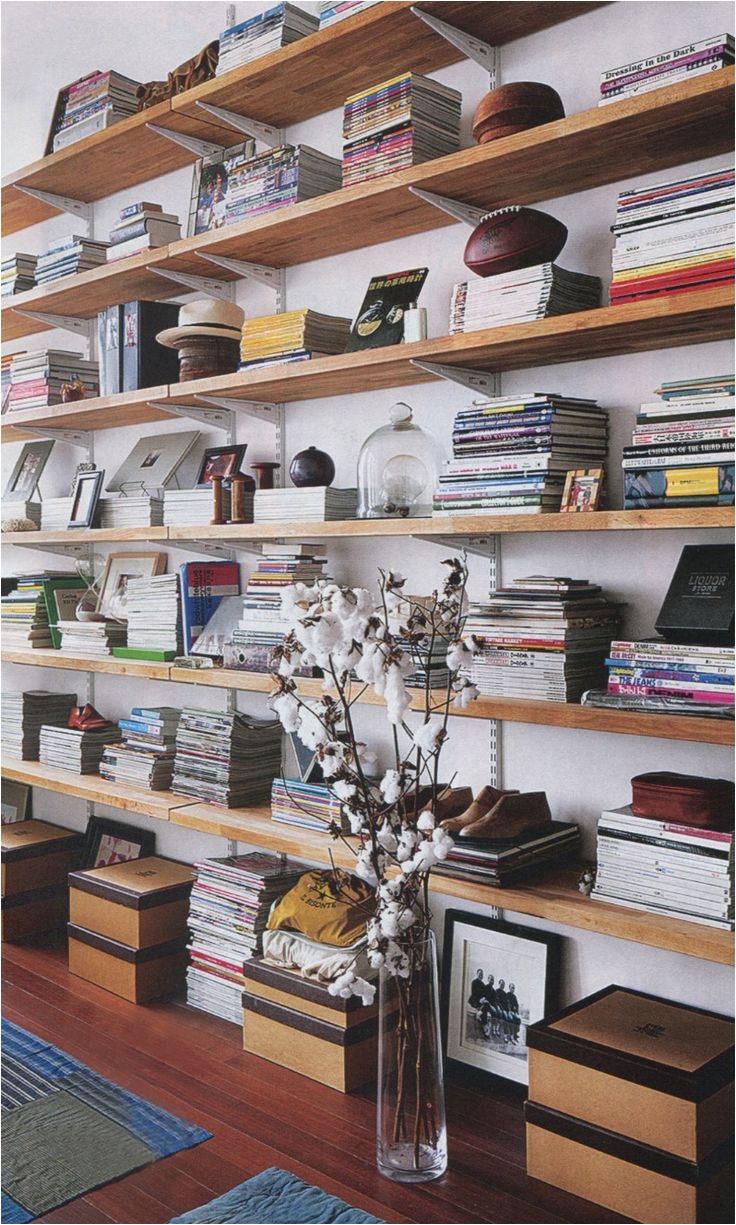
(312, 467)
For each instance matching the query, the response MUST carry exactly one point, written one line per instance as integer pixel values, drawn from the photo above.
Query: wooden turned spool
(217, 515)
(264, 473)
(237, 498)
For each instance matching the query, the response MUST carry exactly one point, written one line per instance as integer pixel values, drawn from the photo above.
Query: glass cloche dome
(398, 467)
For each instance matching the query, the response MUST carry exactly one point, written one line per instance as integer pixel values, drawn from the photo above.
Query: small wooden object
(237, 499)
(217, 511)
(264, 473)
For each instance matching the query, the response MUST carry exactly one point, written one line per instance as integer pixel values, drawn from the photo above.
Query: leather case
(685, 799)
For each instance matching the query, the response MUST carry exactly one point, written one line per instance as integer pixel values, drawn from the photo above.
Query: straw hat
(208, 317)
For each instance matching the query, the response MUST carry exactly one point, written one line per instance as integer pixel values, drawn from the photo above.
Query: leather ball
(515, 108)
(512, 238)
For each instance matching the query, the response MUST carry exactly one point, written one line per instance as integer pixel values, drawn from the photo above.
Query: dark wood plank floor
(261, 1115)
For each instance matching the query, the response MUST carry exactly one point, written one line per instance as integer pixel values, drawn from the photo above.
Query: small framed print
(220, 461)
(108, 842)
(28, 470)
(211, 186)
(86, 497)
(16, 802)
(120, 568)
(497, 979)
(582, 491)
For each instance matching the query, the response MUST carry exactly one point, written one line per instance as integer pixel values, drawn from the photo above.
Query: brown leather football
(514, 108)
(512, 238)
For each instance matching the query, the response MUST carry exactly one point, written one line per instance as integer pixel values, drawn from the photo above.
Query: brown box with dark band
(140, 903)
(137, 975)
(36, 860)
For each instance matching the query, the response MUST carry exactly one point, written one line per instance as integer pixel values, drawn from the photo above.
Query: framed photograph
(86, 497)
(153, 462)
(28, 469)
(16, 802)
(497, 978)
(211, 185)
(120, 568)
(220, 461)
(582, 491)
(108, 842)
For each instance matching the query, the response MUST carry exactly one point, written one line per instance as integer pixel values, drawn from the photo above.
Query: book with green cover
(162, 657)
(61, 596)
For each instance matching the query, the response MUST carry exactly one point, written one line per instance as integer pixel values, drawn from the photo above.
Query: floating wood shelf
(91, 787)
(91, 536)
(95, 413)
(78, 663)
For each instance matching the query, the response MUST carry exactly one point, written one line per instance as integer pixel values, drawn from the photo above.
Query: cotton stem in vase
(394, 816)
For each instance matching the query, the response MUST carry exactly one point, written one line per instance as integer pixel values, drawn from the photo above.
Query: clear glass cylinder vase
(411, 1128)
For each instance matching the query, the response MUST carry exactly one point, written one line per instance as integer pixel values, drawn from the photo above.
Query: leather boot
(511, 816)
(449, 803)
(484, 801)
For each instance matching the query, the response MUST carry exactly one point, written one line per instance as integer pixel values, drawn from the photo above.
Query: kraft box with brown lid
(306, 995)
(37, 854)
(137, 975)
(141, 903)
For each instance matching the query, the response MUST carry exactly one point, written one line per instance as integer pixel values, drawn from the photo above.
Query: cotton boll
(429, 736)
(425, 821)
(407, 842)
(310, 729)
(466, 694)
(343, 985)
(375, 958)
(387, 839)
(364, 990)
(286, 707)
(391, 786)
(442, 843)
(366, 757)
(344, 789)
(364, 867)
(397, 698)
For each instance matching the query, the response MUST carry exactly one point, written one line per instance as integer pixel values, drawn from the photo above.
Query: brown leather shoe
(449, 803)
(482, 803)
(512, 816)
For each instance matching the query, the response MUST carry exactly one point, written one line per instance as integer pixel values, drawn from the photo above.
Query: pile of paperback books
(267, 31)
(674, 236)
(290, 337)
(70, 749)
(140, 510)
(331, 11)
(18, 273)
(313, 504)
(263, 625)
(141, 227)
(23, 715)
(90, 639)
(674, 678)
(681, 64)
(278, 177)
(399, 123)
(519, 296)
(227, 759)
(67, 256)
(92, 104)
(36, 378)
(145, 758)
(505, 861)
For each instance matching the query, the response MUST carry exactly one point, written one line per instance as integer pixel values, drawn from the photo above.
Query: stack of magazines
(266, 32)
(505, 861)
(182, 506)
(139, 510)
(228, 910)
(292, 336)
(511, 453)
(145, 758)
(55, 514)
(67, 256)
(681, 64)
(517, 297)
(93, 104)
(18, 273)
(307, 805)
(542, 638)
(23, 715)
(36, 378)
(332, 11)
(263, 625)
(666, 868)
(673, 237)
(278, 177)
(90, 639)
(70, 749)
(673, 678)
(314, 504)
(226, 759)
(682, 451)
(399, 123)
(153, 609)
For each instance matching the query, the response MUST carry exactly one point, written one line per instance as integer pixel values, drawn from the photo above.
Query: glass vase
(411, 1129)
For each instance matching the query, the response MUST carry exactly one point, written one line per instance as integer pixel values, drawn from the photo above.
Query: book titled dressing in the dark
(699, 604)
(380, 320)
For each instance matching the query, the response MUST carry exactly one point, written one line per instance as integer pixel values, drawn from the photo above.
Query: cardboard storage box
(36, 854)
(289, 989)
(135, 974)
(35, 912)
(141, 903)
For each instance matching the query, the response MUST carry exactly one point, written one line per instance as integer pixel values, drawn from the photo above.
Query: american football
(513, 238)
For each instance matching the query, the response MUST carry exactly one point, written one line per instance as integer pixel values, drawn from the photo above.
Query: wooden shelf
(91, 787)
(79, 663)
(94, 413)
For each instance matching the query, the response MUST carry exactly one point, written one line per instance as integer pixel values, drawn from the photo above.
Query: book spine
(678, 64)
(667, 57)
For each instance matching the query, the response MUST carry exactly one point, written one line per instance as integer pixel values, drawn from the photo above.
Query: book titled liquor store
(380, 320)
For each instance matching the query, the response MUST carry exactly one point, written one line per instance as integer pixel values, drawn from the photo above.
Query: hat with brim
(208, 317)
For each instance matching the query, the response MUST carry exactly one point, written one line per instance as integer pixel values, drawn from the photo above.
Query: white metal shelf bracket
(70, 549)
(217, 418)
(65, 204)
(80, 327)
(75, 438)
(199, 284)
(475, 380)
(483, 546)
(473, 48)
(213, 548)
(454, 208)
(252, 408)
(271, 277)
(202, 148)
(266, 133)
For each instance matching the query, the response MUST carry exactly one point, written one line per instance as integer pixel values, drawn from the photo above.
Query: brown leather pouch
(684, 799)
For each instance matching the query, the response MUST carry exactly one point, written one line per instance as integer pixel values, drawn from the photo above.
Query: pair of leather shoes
(86, 719)
(449, 803)
(498, 814)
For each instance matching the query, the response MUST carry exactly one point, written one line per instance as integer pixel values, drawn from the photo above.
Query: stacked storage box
(36, 860)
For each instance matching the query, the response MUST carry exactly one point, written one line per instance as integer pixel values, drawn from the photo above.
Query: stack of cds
(153, 609)
(36, 378)
(511, 454)
(266, 32)
(140, 228)
(93, 104)
(314, 504)
(69, 749)
(674, 678)
(138, 511)
(18, 273)
(55, 514)
(23, 715)
(399, 123)
(90, 639)
(263, 624)
(542, 639)
(502, 862)
(517, 297)
(673, 237)
(332, 11)
(681, 64)
(307, 805)
(228, 910)
(682, 451)
(67, 256)
(292, 336)
(278, 177)
(226, 759)
(145, 757)
(665, 868)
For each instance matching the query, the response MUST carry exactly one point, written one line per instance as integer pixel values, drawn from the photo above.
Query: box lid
(139, 884)
(310, 1025)
(686, 1052)
(25, 839)
(124, 952)
(291, 981)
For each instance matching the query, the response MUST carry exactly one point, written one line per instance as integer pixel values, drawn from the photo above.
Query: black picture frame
(103, 833)
(28, 470)
(17, 802)
(233, 457)
(486, 1040)
(86, 496)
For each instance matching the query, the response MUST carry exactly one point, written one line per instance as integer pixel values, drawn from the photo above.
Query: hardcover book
(203, 584)
(698, 606)
(380, 320)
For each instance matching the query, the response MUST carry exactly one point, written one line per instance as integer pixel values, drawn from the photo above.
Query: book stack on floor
(154, 626)
(139, 510)
(291, 337)
(276, 27)
(36, 378)
(506, 861)
(18, 273)
(511, 453)
(67, 256)
(674, 678)
(313, 504)
(145, 757)
(93, 104)
(91, 639)
(226, 759)
(396, 124)
(23, 714)
(281, 176)
(663, 867)
(306, 805)
(681, 64)
(520, 296)
(674, 237)
(682, 451)
(183, 506)
(228, 909)
(141, 227)
(70, 749)
(263, 625)
(542, 638)
(332, 11)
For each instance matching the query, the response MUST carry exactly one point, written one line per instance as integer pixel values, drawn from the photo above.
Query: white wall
(47, 44)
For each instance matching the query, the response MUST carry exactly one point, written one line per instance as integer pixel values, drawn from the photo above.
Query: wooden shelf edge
(157, 804)
(78, 663)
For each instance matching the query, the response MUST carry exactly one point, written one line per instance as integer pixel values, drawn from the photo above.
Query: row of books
(29, 614)
(668, 67)
(144, 757)
(18, 273)
(292, 336)
(669, 677)
(68, 255)
(521, 296)
(37, 377)
(92, 104)
(305, 805)
(141, 227)
(266, 32)
(68, 748)
(332, 11)
(401, 122)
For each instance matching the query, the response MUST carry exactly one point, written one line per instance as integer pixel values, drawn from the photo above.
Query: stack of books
(291, 337)
(16, 509)
(23, 715)
(681, 64)
(673, 237)
(226, 759)
(505, 861)
(396, 124)
(266, 32)
(511, 453)
(674, 678)
(67, 256)
(145, 757)
(140, 510)
(182, 506)
(228, 910)
(542, 638)
(69, 749)
(520, 296)
(307, 805)
(314, 504)
(263, 625)
(281, 176)
(55, 514)
(93, 104)
(141, 227)
(6, 362)
(90, 639)
(18, 273)
(683, 871)
(24, 614)
(332, 11)
(682, 451)
(153, 609)
(36, 378)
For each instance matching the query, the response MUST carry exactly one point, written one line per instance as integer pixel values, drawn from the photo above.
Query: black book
(699, 604)
(380, 320)
(130, 355)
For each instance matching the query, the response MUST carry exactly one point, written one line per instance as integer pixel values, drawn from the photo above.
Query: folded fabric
(329, 906)
(322, 962)
(275, 1196)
